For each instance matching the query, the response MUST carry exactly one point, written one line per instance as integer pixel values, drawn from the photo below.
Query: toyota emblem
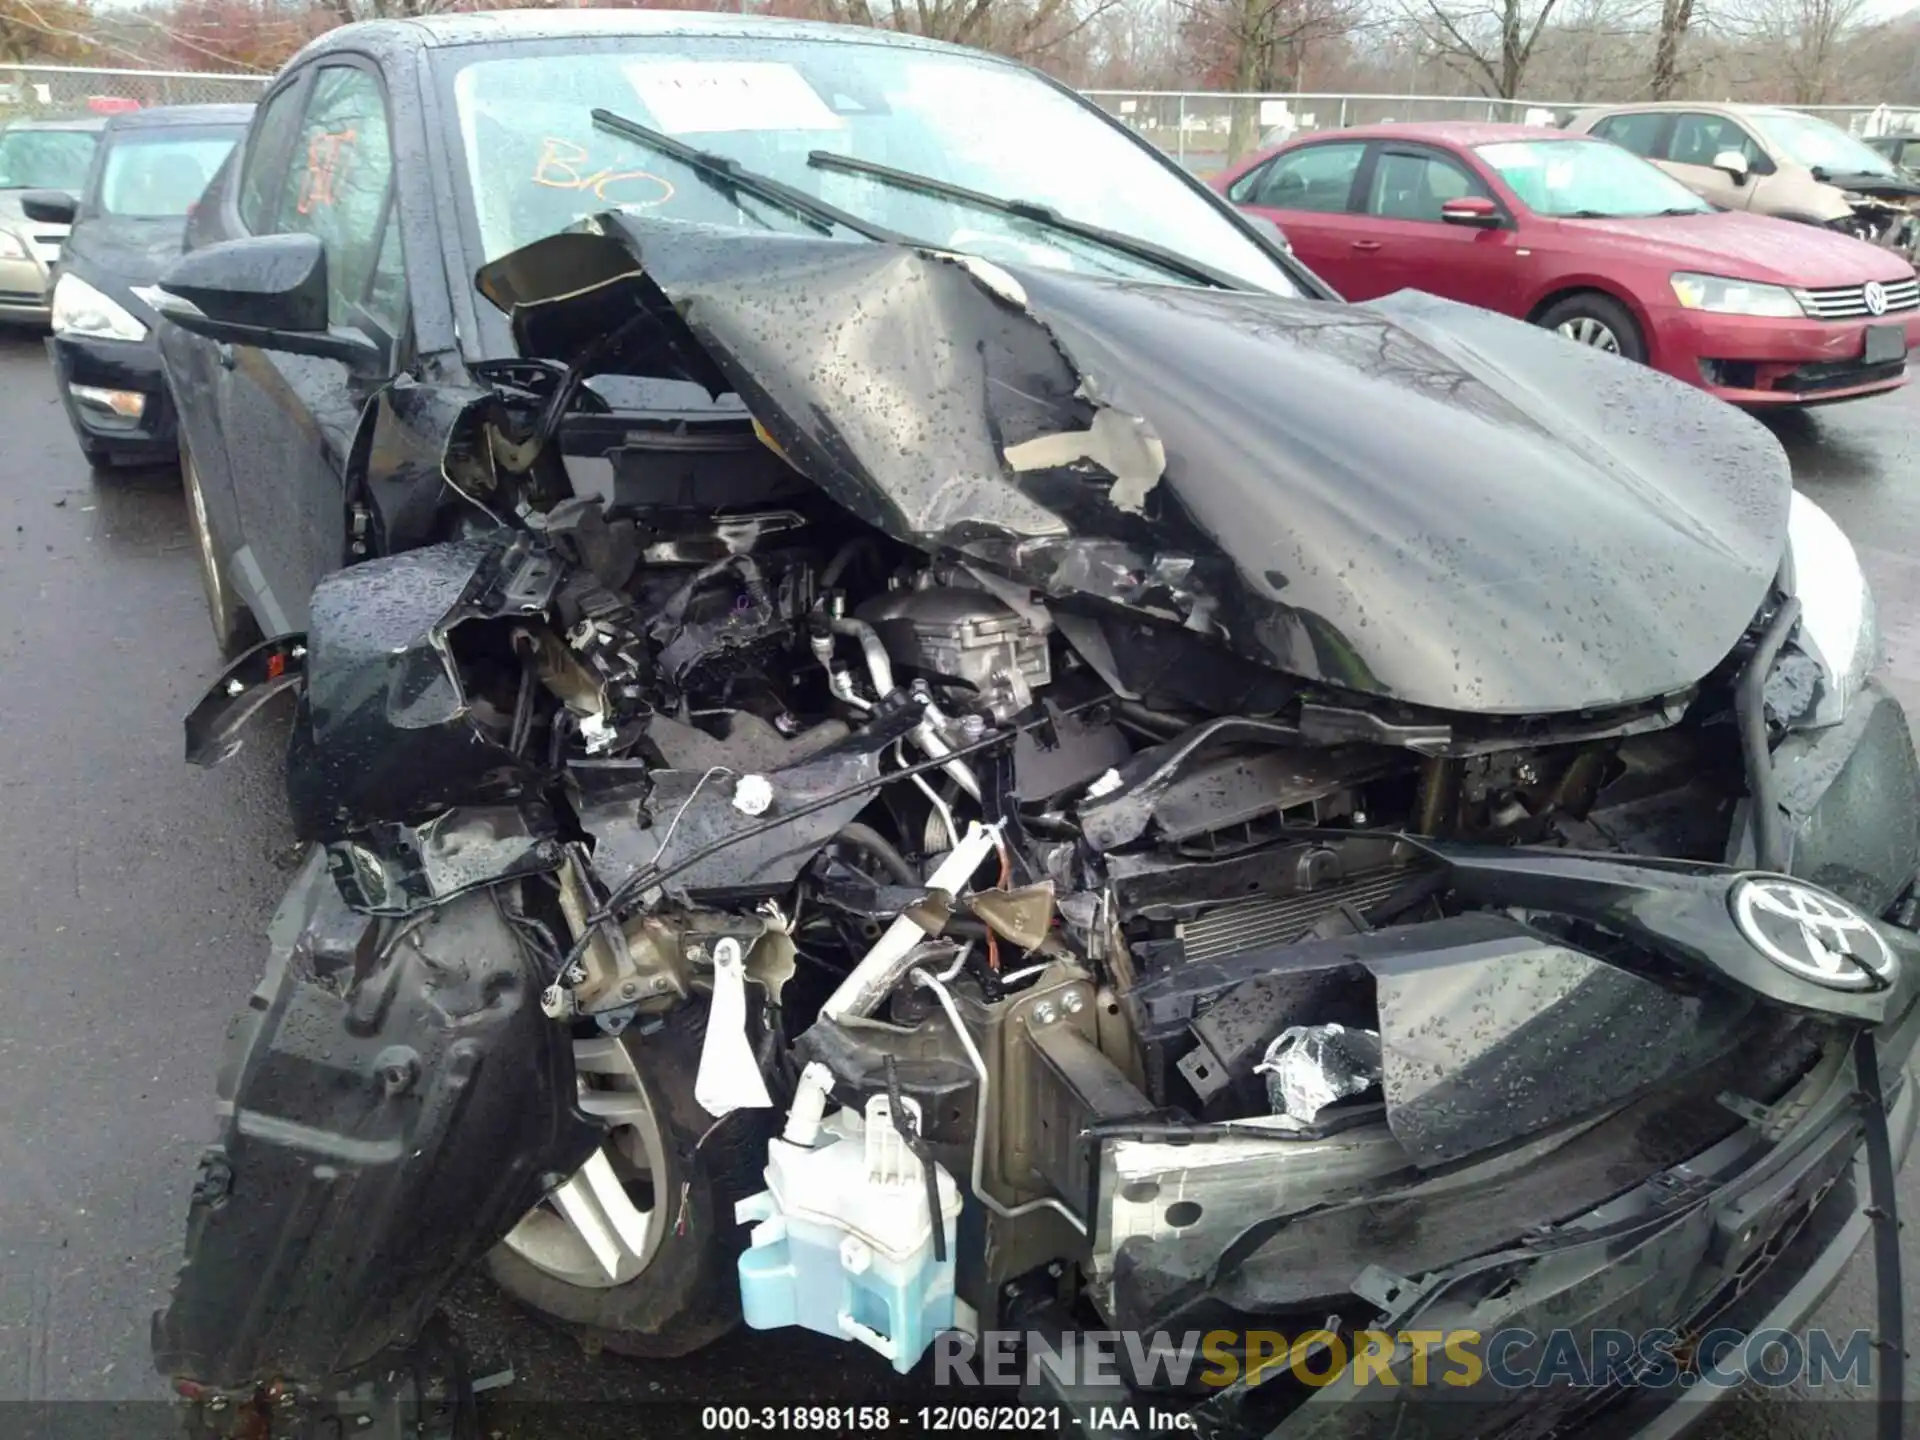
(1811, 934)
(1875, 294)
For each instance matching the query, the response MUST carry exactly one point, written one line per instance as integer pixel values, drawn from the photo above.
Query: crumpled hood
(1882, 187)
(1412, 499)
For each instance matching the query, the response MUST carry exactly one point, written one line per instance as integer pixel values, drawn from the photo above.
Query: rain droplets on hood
(1413, 499)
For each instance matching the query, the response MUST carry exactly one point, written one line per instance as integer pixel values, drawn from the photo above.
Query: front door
(289, 421)
(1696, 141)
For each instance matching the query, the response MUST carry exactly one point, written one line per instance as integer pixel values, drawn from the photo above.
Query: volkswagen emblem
(1875, 294)
(1811, 934)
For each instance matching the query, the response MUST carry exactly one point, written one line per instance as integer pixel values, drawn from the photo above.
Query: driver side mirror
(268, 291)
(49, 207)
(1734, 163)
(1474, 210)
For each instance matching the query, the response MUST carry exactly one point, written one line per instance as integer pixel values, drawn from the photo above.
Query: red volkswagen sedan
(1589, 239)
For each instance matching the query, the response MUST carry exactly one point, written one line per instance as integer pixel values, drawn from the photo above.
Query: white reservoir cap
(753, 794)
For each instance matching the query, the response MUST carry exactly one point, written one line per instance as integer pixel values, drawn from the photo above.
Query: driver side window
(339, 188)
(1410, 186)
(1697, 139)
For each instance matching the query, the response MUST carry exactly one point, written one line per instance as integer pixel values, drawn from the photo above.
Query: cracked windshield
(536, 163)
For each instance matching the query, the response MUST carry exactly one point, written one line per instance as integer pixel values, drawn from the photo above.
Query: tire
(1600, 321)
(233, 629)
(687, 1293)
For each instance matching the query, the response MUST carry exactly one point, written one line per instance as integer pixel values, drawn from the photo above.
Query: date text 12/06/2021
(909, 1420)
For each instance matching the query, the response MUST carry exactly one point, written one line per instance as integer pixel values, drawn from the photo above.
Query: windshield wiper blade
(728, 173)
(1033, 210)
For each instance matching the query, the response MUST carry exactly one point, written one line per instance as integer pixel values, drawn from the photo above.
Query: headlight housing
(80, 309)
(1718, 295)
(12, 247)
(1839, 631)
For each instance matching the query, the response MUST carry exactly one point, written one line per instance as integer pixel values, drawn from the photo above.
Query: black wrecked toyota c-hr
(906, 727)
(129, 223)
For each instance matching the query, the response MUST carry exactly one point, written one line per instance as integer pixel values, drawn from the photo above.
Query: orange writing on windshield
(327, 154)
(564, 165)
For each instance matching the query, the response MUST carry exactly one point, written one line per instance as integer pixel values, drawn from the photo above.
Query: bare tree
(1134, 45)
(1805, 40)
(43, 30)
(1593, 50)
(1676, 19)
(1258, 46)
(1489, 42)
(1027, 29)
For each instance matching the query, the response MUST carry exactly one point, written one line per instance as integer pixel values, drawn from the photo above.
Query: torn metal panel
(1415, 439)
(1024, 916)
(214, 725)
(1122, 445)
(395, 869)
(384, 730)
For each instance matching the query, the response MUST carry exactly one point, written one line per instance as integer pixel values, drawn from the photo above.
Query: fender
(242, 690)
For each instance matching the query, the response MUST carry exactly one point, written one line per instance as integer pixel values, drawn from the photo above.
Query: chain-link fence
(59, 91)
(1208, 130)
(1204, 130)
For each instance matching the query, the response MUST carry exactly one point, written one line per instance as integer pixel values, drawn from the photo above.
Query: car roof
(1447, 132)
(500, 27)
(156, 116)
(1709, 107)
(89, 122)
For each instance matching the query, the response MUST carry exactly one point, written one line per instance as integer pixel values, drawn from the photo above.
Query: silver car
(1770, 161)
(37, 155)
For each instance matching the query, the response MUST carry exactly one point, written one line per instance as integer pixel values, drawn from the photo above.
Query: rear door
(1400, 242)
(1309, 192)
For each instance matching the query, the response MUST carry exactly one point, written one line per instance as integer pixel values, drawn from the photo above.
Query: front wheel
(1596, 320)
(635, 1252)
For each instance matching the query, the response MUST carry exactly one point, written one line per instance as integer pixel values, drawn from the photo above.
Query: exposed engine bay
(1022, 938)
(1890, 220)
(1880, 210)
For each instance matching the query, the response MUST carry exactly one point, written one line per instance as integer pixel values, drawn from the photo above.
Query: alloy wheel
(602, 1227)
(1585, 330)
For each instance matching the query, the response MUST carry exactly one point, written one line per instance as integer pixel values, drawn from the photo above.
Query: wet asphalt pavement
(133, 893)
